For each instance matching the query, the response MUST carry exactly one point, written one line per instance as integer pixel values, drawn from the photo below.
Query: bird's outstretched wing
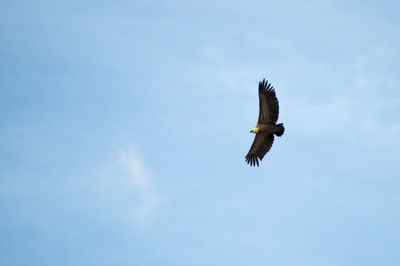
(261, 145)
(269, 105)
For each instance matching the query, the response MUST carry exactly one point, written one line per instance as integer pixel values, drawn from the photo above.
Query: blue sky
(124, 127)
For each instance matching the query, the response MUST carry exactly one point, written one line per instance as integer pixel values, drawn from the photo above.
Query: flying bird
(266, 126)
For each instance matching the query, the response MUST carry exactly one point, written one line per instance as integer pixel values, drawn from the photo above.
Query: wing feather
(261, 145)
(269, 105)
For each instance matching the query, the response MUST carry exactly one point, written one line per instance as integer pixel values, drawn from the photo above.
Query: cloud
(355, 104)
(129, 180)
(354, 118)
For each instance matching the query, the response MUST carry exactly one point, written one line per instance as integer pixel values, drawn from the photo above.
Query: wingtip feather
(252, 160)
(264, 86)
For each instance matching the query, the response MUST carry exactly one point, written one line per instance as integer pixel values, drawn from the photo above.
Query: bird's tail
(280, 129)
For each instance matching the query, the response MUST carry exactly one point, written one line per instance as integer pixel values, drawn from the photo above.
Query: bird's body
(266, 127)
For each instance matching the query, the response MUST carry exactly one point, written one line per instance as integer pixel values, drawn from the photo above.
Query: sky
(124, 126)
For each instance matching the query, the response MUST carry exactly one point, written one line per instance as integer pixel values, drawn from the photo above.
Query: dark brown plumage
(266, 126)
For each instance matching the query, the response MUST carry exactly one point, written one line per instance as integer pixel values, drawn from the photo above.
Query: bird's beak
(254, 130)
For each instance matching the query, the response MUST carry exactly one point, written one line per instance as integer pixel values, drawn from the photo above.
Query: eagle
(266, 126)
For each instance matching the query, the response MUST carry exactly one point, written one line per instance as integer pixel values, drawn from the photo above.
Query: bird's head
(254, 130)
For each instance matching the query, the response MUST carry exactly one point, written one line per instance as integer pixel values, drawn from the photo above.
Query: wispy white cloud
(128, 177)
(359, 108)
